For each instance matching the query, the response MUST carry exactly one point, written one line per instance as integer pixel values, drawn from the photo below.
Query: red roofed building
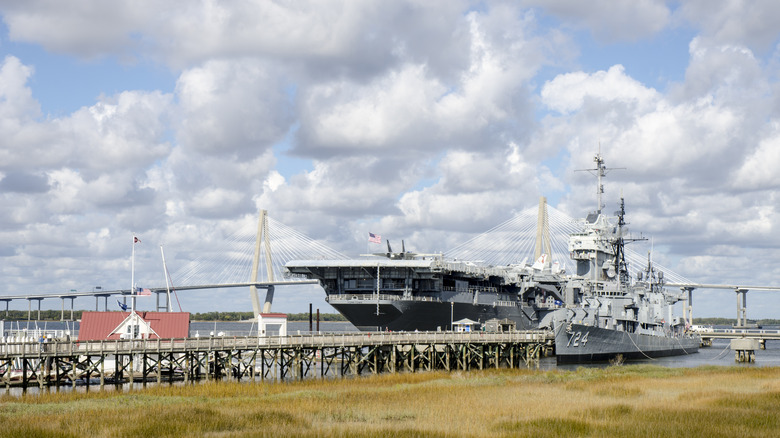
(97, 326)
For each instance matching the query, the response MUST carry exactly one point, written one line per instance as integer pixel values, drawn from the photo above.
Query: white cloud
(735, 22)
(568, 92)
(410, 108)
(336, 35)
(16, 103)
(609, 20)
(232, 108)
(82, 27)
(731, 73)
(759, 170)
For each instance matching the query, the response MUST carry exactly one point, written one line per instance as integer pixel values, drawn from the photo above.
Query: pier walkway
(278, 358)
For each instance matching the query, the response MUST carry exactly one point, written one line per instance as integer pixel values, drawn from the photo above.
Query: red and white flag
(374, 238)
(136, 240)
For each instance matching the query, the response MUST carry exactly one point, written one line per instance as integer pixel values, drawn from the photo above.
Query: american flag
(374, 238)
(142, 291)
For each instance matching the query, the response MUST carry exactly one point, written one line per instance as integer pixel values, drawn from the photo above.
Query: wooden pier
(265, 358)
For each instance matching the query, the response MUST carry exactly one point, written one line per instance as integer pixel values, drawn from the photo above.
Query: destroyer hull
(398, 315)
(578, 343)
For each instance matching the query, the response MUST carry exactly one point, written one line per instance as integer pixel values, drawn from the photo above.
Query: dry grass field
(620, 401)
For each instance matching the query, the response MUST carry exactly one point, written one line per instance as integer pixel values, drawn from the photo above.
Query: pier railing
(180, 345)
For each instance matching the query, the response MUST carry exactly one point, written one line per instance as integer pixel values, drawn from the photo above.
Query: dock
(294, 357)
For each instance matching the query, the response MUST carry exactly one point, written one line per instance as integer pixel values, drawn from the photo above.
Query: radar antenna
(600, 171)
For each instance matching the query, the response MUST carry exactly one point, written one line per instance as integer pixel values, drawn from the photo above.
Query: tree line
(244, 316)
(57, 315)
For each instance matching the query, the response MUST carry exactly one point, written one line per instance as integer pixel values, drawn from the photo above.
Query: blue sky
(63, 83)
(423, 121)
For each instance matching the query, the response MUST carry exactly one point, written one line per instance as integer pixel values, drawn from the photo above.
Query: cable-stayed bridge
(254, 256)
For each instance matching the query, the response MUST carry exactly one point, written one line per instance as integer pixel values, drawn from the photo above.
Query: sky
(428, 121)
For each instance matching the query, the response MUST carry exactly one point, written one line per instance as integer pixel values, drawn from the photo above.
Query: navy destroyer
(613, 317)
(597, 313)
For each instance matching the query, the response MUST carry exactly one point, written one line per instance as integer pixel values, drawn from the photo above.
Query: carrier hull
(400, 315)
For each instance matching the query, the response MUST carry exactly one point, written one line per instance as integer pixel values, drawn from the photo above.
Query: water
(205, 328)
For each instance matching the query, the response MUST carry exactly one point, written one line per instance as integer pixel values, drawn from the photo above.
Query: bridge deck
(740, 333)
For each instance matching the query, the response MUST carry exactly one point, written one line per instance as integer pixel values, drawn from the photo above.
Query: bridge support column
(688, 313)
(741, 308)
(269, 298)
(744, 349)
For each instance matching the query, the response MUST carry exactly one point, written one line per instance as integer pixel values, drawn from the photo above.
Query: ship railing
(182, 345)
(468, 268)
(483, 289)
(381, 297)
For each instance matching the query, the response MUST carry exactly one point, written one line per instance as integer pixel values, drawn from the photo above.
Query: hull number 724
(577, 339)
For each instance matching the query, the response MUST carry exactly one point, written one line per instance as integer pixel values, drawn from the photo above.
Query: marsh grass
(625, 401)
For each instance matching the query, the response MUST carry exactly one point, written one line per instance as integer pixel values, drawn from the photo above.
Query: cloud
(567, 93)
(17, 103)
(734, 22)
(357, 38)
(759, 170)
(236, 108)
(611, 21)
(82, 28)
(411, 109)
(23, 182)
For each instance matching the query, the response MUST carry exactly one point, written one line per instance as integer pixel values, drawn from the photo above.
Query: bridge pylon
(542, 231)
(262, 240)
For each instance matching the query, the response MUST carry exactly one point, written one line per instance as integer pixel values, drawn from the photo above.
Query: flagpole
(132, 277)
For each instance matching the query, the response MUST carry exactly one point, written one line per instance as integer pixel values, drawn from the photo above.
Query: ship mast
(621, 267)
(600, 171)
